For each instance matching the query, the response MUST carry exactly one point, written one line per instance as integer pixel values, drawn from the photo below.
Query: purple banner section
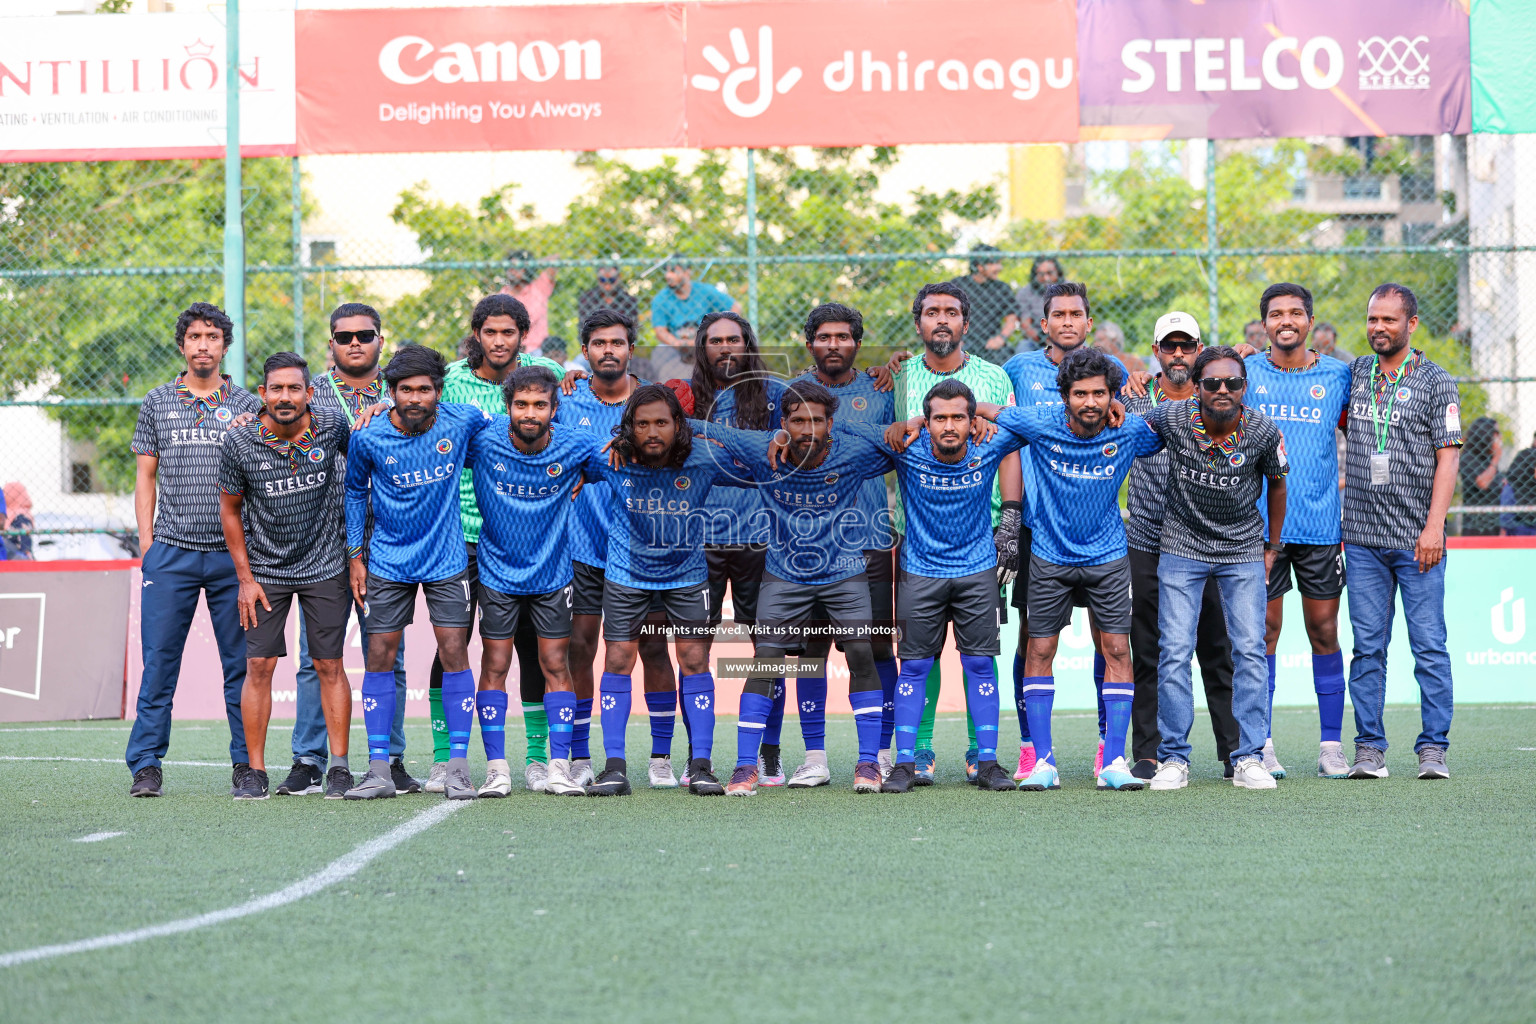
(1233, 69)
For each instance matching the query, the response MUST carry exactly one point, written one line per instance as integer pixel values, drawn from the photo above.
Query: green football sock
(536, 726)
(930, 708)
(439, 726)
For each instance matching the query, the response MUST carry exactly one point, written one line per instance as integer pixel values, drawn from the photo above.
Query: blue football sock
(812, 694)
(1018, 698)
(663, 710)
(687, 723)
(614, 705)
(754, 711)
(459, 710)
(560, 707)
(581, 731)
(492, 705)
(1039, 695)
(911, 692)
(1098, 686)
(887, 670)
(774, 728)
(1328, 682)
(698, 693)
(1269, 731)
(868, 709)
(378, 712)
(981, 699)
(1117, 717)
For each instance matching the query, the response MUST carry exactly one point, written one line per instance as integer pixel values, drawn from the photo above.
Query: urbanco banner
(1269, 68)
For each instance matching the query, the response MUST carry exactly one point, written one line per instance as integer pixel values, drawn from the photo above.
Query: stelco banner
(1256, 68)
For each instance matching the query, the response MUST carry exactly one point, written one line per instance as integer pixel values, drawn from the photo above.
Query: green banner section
(1503, 74)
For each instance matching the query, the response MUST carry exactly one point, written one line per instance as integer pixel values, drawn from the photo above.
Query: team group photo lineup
(568, 513)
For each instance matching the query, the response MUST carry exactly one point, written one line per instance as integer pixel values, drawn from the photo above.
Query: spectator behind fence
(1520, 489)
(1253, 334)
(1109, 338)
(994, 307)
(557, 348)
(16, 513)
(608, 293)
(1043, 273)
(533, 292)
(1325, 342)
(1481, 481)
(682, 304)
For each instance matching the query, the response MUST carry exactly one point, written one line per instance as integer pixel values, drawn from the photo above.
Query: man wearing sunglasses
(1219, 454)
(608, 293)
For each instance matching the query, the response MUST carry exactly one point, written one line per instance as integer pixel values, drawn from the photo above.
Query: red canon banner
(880, 72)
(485, 78)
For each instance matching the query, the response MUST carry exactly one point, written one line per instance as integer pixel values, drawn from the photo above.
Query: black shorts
(793, 613)
(1319, 571)
(683, 612)
(926, 604)
(390, 606)
(325, 604)
(587, 590)
(500, 613)
(1105, 590)
(743, 566)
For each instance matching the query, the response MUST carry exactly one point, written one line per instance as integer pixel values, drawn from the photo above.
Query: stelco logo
(404, 60)
(1286, 63)
(906, 74)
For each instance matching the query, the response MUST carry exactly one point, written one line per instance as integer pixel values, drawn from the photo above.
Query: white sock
(817, 757)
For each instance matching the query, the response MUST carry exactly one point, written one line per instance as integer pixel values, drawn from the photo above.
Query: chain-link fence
(97, 259)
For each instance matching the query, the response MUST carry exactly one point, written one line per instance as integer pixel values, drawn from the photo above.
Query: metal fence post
(298, 258)
(752, 238)
(1213, 331)
(234, 228)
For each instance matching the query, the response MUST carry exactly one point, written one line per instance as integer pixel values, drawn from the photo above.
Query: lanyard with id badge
(1381, 460)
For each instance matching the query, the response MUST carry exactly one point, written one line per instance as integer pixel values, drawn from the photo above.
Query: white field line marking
(96, 837)
(114, 760)
(337, 870)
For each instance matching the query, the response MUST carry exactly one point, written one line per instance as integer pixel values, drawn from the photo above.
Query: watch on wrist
(1274, 547)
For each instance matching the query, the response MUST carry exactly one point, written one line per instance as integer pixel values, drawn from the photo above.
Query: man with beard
(1217, 451)
(941, 314)
(1176, 340)
(814, 585)
(524, 472)
(352, 387)
(1066, 322)
(497, 328)
(281, 519)
(594, 405)
(177, 443)
(1404, 435)
(1305, 393)
(407, 464)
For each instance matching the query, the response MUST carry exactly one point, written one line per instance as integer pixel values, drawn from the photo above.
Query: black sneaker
(701, 780)
(1226, 770)
(146, 782)
(237, 778)
(402, 778)
(303, 780)
(770, 762)
(612, 781)
(900, 779)
(337, 781)
(1144, 769)
(252, 785)
(992, 776)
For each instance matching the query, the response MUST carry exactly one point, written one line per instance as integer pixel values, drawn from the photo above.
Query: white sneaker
(581, 772)
(661, 773)
(886, 761)
(1250, 773)
(810, 775)
(498, 779)
(535, 776)
(1171, 775)
(1330, 760)
(560, 782)
(1271, 762)
(437, 778)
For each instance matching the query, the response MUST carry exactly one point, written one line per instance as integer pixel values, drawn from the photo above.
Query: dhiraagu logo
(1508, 618)
(745, 71)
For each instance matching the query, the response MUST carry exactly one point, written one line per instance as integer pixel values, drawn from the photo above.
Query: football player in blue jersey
(408, 463)
(525, 471)
(595, 403)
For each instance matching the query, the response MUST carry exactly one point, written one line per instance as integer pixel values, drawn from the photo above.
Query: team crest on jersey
(554, 469)
(973, 464)
(1237, 459)
(860, 404)
(831, 478)
(1318, 391)
(445, 446)
(1403, 394)
(682, 483)
(1110, 449)
(316, 454)
(223, 415)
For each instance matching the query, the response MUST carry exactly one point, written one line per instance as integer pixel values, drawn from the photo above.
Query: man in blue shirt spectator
(682, 302)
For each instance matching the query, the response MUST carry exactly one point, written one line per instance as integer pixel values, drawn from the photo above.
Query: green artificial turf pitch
(1395, 900)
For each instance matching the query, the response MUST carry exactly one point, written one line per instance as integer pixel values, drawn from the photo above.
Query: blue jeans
(1180, 591)
(1375, 577)
(311, 744)
(173, 578)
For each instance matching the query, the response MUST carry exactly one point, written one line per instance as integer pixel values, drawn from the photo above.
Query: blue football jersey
(525, 506)
(1077, 489)
(738, 515)
(1306, 406)
(584, 411)
(949, 506)
(859, 403)
(414, 483)
(818, 527)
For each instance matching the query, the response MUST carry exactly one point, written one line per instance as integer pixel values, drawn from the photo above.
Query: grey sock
(379, 768)
(339, 761)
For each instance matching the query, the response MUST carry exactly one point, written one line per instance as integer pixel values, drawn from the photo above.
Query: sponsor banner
(1259, 68)
(46, 672)
(115, 86)
(881, 72)
(490, 78)
(1503, 75)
